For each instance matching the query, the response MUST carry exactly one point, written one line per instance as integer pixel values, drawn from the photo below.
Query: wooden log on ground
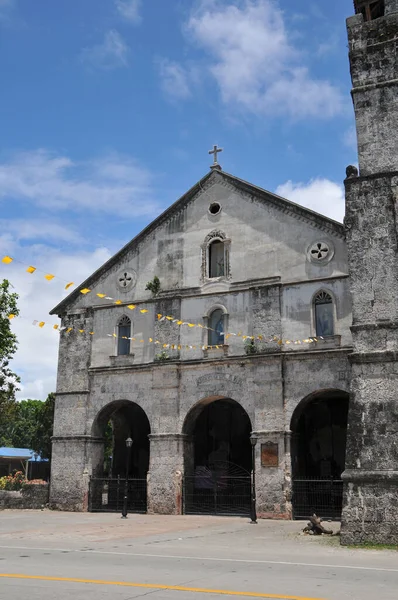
(316, 528)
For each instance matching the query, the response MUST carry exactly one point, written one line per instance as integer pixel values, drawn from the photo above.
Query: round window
(214, 208)
(320, 252)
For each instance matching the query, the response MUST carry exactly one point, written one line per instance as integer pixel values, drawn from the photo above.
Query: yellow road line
(156, 586)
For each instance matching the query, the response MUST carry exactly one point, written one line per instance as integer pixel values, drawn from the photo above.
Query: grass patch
(368, 546)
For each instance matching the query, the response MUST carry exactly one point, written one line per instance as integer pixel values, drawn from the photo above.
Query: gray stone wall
(30, 497)
(371, 491)
(374, 73)
(268, 386)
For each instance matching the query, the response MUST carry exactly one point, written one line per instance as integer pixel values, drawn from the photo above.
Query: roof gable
(247, 189)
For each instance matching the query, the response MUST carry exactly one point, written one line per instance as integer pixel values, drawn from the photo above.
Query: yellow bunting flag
(114, 334)
(179, 322)
(7, 260)
(85, 291)
(131, 306)
(11, 316)
(159, 316)
(68, 285)
(31, 269)
(91, 332)
(150, 339)
(169, 318)
(101, 295)
(191, 324)
(69, 329)
(41, 324)
(56, 327)
(81, 330)
(141, 341)
(143, 310)
(165, 345)
(118, 302)
(49, 277)
(179, 347)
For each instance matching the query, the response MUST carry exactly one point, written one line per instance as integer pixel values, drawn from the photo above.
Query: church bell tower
(371, 476)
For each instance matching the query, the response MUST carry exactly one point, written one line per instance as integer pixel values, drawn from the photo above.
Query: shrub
(13, 483)
(163, 356)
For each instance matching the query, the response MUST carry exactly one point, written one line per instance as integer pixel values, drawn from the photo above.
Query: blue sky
(109, 107)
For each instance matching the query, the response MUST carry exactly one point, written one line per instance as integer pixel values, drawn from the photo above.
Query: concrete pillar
(74, 460)
(271, 459)
(166, 469)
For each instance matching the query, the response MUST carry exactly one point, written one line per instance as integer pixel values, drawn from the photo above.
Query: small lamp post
(253, 512)
(129, 443)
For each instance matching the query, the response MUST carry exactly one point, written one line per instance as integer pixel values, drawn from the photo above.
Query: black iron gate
(217, 492)
(106, 495)
(324, 497)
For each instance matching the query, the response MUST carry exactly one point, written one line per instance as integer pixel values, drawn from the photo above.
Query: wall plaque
(269, 454)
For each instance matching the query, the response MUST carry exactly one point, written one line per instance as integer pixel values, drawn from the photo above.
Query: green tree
(8, 346)
(25, 422)
(41, 440)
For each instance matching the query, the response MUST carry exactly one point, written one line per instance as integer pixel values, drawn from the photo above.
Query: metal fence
(221, 496)
(106, 495)
(324, 497)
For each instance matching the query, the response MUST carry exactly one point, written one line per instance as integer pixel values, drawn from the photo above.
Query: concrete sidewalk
(204, 552)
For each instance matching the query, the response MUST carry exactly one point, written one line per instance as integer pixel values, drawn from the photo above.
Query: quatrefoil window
(320, 252)
(126, 279)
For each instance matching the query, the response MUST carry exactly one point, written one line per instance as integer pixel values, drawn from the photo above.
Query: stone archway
(116, 422)
(218, 460)
(319, 432)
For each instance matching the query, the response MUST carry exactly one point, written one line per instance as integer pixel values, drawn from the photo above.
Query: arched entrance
(218, 464)
(319, 432)
(115, 424)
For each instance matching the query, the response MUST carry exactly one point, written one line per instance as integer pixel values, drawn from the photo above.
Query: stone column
(166, 469)
(74, 451)
(271, 458)
(74, 460)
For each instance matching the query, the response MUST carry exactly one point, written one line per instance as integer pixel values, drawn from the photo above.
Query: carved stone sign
(269, 454)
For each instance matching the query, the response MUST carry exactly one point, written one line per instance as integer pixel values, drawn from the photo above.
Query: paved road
(48, 555)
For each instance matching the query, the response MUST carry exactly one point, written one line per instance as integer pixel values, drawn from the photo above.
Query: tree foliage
(30, 426)
(41, 440)
(8, 346)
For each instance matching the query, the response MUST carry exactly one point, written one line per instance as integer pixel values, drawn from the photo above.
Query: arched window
(216, 331)
(216, 259)
(124, 332)
(324, 319)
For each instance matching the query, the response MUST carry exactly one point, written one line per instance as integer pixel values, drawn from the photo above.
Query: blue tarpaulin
(21, 453)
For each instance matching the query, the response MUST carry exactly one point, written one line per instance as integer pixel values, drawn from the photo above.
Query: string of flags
(168, 318)
(150, 340)
(7, 260)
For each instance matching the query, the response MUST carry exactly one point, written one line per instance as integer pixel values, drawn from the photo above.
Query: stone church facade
(247, 335)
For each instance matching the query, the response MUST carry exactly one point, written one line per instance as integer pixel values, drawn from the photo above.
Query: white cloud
(321, 195)
(254, 62)
(129, 9)
(110, 54)
(350, 138)
(37, 354)
(114, 184)
(39, 229)
(174, 80)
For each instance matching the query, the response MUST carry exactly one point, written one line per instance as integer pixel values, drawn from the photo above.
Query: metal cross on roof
(215, 151)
